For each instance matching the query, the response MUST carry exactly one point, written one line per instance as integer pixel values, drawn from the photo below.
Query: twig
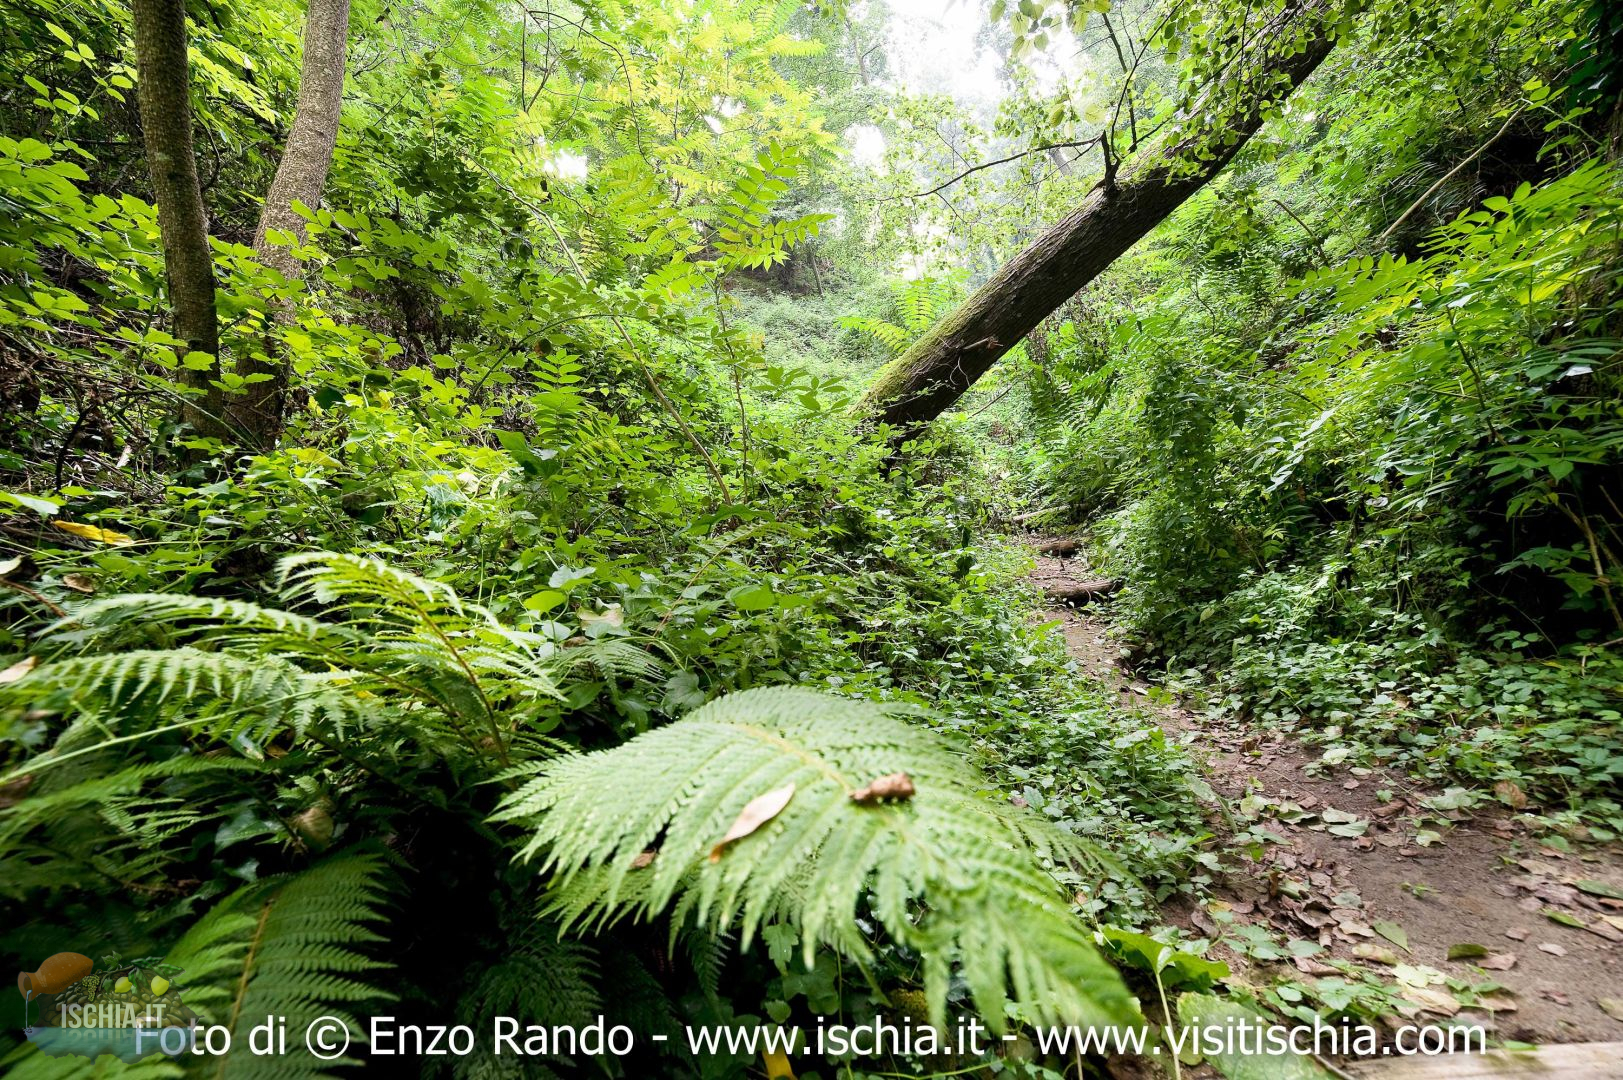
(989, 164)
(1446, 177)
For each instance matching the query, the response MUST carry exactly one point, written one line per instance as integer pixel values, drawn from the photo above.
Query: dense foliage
(571, 550)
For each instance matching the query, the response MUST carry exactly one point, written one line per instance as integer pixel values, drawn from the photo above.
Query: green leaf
(42, 507)
(1208, 1012)
(752, 598)
(1392, 932)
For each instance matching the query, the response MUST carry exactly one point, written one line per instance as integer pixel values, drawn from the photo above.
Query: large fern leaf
(948, 872)
(285, 948)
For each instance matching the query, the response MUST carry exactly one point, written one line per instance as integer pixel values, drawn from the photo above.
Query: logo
(74, 1005)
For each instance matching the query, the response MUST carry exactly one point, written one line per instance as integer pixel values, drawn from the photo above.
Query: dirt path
(1398, 883)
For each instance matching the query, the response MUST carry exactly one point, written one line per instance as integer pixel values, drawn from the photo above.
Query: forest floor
(1393, 885)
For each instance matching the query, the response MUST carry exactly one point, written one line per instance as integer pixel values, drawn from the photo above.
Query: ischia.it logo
(75, 1005)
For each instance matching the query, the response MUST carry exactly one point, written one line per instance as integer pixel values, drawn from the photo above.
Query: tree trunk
(166, 129)
(301, 176)
(927, 379)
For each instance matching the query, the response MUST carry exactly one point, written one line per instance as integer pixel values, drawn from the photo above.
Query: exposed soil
(1483, 880)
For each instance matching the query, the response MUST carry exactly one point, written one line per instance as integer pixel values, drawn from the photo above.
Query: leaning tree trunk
(926, 380)
(166, 129)
(300, 177)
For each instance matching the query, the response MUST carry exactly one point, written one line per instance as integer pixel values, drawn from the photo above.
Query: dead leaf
(1612, 1007)
(1605, 930)
(1378, 954)
(643, 859)
(1553, 950)
(1432, 1000)
(1503, 961)
(611, 616)
(757, 812)
(1510, 794)
(12, 793)
(18, 670)
(1558, 997)
(895, 786)
(80, 583)
(1500, 1002)
(93, 532)
(1518, 933)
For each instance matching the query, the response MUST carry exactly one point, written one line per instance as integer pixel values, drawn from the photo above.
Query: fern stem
(478, 688)
(247, 971)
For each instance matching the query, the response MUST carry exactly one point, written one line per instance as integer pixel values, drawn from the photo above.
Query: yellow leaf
(777, 1065)
(18, 670)
(757, 812)
(93, 532)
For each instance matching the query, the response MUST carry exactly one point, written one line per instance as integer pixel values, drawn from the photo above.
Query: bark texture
(927, 379)
(301, 176)
(166, 130)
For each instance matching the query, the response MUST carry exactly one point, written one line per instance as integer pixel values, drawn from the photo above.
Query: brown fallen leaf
(1503, 961)
(1500, 1002)
(1366, 951)
(757, 812)
(1558, 997)
(1553, 950)
(80, 583)
(1510, 794)
(18, 670)
(1605, 930)
(895, 786)
(643, 859)
(1432, 1000)
(1518, 933)
(13, 792)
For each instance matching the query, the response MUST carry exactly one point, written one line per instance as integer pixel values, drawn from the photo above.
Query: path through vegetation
(1376, 870)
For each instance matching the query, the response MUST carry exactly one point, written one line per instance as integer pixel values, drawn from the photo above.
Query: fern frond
(612, 657)
(950, 873)
(205, 616)
(286, 947)
(230, 695)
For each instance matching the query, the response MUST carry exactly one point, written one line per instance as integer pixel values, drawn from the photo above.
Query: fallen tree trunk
(927, 379)
(1081, 592)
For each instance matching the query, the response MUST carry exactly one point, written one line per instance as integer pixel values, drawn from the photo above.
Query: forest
(811, 539)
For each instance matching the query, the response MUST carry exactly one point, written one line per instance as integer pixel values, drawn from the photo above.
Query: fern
(952, 874)
(286, 948)
(407, 648)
